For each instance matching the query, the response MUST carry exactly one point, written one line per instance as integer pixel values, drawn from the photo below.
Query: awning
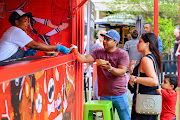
(117, 20)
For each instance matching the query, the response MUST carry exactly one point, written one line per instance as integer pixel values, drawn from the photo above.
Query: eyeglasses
(107, 39)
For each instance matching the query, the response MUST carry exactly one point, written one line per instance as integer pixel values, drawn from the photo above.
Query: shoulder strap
(152, 58)
(138, 83)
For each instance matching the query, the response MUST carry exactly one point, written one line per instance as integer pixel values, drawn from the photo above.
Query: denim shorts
(121, 104)
(19, 54)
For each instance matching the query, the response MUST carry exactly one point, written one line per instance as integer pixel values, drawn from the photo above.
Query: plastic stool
(98, 105)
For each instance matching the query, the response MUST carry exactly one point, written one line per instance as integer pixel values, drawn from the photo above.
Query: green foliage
(167, 8)
(95, 33)
(166, 32)
(168, 16)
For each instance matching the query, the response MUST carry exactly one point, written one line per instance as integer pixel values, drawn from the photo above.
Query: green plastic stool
(98, 105)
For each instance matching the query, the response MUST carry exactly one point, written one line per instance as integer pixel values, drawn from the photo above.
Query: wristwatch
(135, 79)
(110, 69)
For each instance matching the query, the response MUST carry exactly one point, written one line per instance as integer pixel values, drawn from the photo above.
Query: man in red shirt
(169, 97)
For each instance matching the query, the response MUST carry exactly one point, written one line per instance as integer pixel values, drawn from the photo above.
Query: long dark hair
(153, 46)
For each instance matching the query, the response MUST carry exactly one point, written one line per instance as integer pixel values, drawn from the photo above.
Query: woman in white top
(16, 38)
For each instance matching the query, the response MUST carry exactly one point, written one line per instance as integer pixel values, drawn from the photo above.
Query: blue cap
(112, 34)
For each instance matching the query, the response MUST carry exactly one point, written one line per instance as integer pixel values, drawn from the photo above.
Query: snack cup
(101, 62)
(51, 53)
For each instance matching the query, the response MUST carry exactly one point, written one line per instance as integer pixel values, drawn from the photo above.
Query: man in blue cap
(111, 79)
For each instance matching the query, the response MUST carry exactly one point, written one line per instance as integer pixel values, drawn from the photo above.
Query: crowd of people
(140, 55)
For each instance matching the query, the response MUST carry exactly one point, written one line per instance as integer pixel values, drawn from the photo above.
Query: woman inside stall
(16, 38)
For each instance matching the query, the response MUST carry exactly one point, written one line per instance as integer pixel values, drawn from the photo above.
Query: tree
(166, 30)
(167, 8)
(168, 15)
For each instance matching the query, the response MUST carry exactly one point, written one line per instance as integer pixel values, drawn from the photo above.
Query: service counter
(42, 89)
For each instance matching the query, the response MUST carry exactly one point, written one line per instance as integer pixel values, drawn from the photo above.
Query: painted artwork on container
(45, 95)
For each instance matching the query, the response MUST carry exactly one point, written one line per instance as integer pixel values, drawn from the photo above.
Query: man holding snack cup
(112, 65)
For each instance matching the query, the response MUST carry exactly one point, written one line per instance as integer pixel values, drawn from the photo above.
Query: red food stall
(44, 87)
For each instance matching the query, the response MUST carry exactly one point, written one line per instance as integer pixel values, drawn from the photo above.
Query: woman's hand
(131, 66)
(30, 52)
(177, 53)
(63, 49)
(131, 81)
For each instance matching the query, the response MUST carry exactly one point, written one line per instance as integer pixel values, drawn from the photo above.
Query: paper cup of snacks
(52, 53)
(101, 62)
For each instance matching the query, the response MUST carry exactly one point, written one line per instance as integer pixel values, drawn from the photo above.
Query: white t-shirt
(12, 39)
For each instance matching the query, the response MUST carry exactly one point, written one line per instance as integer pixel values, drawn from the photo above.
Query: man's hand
(106, 66)
(63, 26)
(80, 57)
(74, 49)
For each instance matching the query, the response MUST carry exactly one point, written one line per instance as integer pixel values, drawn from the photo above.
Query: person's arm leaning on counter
(44, 47)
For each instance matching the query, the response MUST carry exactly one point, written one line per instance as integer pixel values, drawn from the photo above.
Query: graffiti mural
(45, 95)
